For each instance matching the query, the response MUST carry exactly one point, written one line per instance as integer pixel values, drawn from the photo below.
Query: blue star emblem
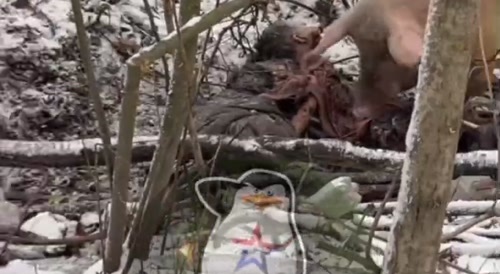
(264, 249)
(246, 260)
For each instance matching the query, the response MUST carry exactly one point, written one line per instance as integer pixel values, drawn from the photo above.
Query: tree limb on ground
(270, 152)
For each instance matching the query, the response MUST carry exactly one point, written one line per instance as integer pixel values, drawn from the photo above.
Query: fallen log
(456, 208)
(233, 154)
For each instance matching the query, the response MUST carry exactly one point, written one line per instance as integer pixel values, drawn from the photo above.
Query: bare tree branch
(154, 32)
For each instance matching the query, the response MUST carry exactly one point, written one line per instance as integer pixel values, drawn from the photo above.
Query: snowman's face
(251, 197)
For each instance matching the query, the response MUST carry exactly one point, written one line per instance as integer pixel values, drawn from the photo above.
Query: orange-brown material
(262, 201)
(304, 115)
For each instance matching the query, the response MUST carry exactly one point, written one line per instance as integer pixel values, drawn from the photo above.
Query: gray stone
(10, 217)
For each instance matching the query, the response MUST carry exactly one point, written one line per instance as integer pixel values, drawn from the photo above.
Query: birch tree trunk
(432, 138)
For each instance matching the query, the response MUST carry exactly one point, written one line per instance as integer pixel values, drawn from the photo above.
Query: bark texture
(432, 138)
(173, 125)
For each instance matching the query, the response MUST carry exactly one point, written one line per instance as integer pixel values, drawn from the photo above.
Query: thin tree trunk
(120, 192)
(173, 125)
(94, 90)
(168, 12)
(168, 143)
(432, 138)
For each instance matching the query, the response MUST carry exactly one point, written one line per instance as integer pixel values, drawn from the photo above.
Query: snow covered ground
(44, 31)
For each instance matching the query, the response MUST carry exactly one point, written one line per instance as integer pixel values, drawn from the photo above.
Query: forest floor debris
(44, 99)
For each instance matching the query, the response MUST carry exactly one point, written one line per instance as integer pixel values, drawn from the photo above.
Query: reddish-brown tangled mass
(320, 92)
